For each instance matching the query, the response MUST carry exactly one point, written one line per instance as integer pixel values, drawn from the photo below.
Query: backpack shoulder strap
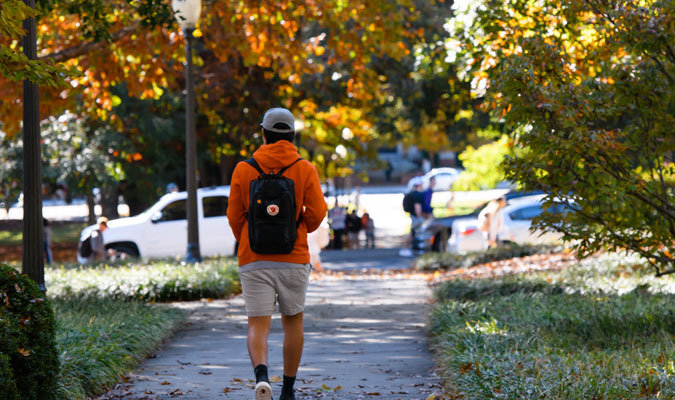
(252, 162)
(288, 166)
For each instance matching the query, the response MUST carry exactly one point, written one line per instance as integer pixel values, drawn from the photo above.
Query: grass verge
(61, 233)
(100, 340)
(107, 322)
(602, 329)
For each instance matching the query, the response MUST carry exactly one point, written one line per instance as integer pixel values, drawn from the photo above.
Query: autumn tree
(322, 59)
(589, 88)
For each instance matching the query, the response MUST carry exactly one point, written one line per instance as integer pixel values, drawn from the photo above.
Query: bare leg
(258, 331)
(293, 342)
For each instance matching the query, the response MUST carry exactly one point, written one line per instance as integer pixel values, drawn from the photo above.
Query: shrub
(160, 280)
(434, 261)
(7, 385)
(483, 168)
(29, 363)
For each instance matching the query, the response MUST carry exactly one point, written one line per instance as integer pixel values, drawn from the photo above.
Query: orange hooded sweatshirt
(308, 198)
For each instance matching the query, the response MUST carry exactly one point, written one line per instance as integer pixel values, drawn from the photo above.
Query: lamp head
(187, 12)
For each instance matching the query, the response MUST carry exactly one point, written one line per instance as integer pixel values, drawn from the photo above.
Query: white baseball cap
(274, 116)
(416, 181)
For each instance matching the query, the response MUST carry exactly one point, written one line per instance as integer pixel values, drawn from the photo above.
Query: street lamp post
(187, 14)
(33, 241)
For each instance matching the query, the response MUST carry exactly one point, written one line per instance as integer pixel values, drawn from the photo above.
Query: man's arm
(418, 209)
(236, 209)
(314, 205)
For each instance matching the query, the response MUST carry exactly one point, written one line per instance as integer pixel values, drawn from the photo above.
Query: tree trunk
(109, 201)
(226, 169)
(91, 205)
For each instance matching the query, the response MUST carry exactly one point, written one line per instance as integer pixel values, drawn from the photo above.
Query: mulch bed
(495, 269)
(62, 252)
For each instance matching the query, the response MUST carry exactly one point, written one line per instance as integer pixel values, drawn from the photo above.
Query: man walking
(416, 217)
(427, 210)
(269, 277)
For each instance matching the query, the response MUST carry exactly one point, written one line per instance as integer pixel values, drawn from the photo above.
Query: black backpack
(409, 202)
(272, 228)
(84, 247)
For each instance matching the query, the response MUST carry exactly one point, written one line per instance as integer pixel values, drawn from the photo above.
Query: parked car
(161, 230)
(518, 215)
(445, 177)
(433, 234)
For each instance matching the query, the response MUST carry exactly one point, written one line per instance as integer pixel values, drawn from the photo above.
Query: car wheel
(437, 243)
(123, 252)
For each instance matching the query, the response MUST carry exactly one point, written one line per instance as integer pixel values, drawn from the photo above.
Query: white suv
(161, 230)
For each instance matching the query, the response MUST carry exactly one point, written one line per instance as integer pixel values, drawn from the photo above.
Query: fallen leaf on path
(327, 388)
(165, 383)
(275, 379)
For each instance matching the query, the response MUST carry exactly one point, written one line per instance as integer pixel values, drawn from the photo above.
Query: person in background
(98, 251)
(47, 232)
(171, 188)
(426, 165)
(388, 171)
(369, 227)
(316, 241)
(427, 210)
(416, 218)
(491, 219)
(353, 229)
(337, 223)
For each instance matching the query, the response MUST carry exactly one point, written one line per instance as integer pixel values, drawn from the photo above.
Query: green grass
(67, 233)
(603, 329)
(61, 233)
(163, 280)
(100, 340)
(10, 238)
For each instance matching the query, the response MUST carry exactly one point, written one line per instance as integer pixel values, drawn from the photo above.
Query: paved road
(365, 259)
(365, 339)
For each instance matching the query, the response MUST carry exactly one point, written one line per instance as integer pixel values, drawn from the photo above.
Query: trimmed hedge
(29, 363)
(157, 280)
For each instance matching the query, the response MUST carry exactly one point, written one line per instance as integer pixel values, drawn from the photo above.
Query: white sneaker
(263, 391)
(405, 253)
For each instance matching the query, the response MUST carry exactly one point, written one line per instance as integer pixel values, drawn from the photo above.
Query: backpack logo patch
(273, 209)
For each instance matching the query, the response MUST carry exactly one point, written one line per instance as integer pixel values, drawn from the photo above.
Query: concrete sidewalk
(364, 339)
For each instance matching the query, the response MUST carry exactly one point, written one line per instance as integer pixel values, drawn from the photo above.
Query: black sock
(289, 381)
(261, 373)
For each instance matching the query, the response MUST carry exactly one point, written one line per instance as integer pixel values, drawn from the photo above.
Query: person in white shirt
(491, 220)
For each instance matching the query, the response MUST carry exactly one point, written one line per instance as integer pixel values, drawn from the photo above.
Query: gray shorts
(264, 288)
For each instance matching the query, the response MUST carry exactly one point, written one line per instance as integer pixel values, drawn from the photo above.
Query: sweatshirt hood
(276, 155)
